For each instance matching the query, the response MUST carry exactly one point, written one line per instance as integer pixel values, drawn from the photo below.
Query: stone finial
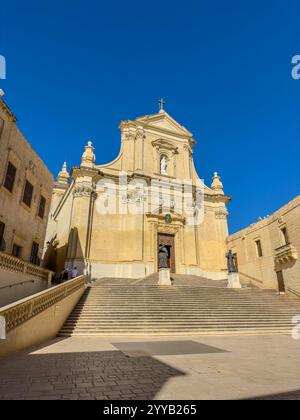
(88, 157)
(217, 185)
(63, 175)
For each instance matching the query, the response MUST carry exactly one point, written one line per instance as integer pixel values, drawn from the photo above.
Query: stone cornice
(85, 171)
(278, 216)
(217, 198)
(7, 110)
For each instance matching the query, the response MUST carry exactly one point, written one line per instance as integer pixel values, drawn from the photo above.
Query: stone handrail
(16, 284)
(295, 292)
(19, 312)
(14, 264)
(250, 277)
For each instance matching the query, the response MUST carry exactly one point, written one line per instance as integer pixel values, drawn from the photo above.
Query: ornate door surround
(174, 229)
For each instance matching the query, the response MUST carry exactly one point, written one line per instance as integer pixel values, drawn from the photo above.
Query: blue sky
(76, 68)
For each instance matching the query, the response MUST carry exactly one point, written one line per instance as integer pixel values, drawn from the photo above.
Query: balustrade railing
(17, 313)
(13, 264)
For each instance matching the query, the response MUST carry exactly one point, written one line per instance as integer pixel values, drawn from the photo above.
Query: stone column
(83, 197)
(128, 144)
(82, 210)
(139, 150)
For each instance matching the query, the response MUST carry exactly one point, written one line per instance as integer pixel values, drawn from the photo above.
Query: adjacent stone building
(25, 192)
(268, 251)
(154, 197)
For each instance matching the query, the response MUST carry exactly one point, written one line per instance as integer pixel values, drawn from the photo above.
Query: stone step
(172, 327)
(135, 308)
(166, 331)
(148, 334)
(194, 297)
(182, 302)
(191, 311)
(172, 311)
(188, 297)
(183, 328)
(178, 324)
(176, 320)
(128, 309)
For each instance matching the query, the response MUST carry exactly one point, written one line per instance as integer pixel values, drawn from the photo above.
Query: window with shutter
(10, 177)
(42, 207)
(259, 248)
(28, 192)
(17, 251)
(34, 257)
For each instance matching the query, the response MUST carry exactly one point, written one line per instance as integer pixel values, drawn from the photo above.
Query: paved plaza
(194, 368)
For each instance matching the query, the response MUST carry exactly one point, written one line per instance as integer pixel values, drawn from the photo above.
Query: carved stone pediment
(165, 145)
(163, 121)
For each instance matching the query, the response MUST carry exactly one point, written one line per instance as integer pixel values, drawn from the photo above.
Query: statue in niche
(163, 165)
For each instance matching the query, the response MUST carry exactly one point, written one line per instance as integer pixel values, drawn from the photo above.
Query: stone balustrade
(13, 264)
(39, 317)
(19, 312)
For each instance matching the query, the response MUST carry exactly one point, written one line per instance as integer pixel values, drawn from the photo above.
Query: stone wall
(22, 223)
(278, 254)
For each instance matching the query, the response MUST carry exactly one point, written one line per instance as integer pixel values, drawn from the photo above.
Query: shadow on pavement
(85, 375)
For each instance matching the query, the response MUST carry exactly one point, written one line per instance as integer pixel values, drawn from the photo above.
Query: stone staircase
(195, 307)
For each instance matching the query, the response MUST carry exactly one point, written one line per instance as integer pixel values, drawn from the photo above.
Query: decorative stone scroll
(221, 214)
(82, 190)
(168, 229)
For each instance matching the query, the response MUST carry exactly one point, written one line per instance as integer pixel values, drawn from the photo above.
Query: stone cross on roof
(161, 104)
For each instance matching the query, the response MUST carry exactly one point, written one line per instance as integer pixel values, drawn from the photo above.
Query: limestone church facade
(109, 219)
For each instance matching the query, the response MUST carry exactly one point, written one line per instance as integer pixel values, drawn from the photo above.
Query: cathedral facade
(108, 220)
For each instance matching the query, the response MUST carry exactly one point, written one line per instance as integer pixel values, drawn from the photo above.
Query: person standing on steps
(64, 275)
(74, 273)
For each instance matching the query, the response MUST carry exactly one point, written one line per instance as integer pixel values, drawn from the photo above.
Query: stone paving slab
(263, 367)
